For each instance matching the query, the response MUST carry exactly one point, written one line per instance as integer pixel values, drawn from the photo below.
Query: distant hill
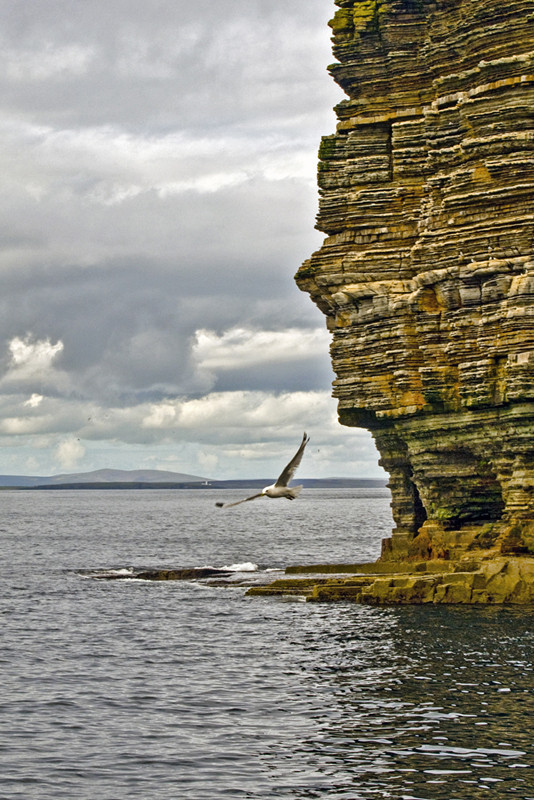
(102, 476)
(126, 476)
(163, 479)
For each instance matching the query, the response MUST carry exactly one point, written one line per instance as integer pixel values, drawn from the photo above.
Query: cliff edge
(426, 275)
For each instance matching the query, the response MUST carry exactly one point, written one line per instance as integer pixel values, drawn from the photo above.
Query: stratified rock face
(427, 272)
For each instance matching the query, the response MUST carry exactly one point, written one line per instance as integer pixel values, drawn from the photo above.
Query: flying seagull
(280, 488)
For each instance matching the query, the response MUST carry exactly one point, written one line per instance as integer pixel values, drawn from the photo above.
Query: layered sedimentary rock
(426, 276)
(500, 579)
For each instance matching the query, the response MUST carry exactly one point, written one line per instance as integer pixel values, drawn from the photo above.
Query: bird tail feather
(294, 492)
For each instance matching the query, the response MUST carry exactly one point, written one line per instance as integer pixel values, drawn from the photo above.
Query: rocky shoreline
(493, 579)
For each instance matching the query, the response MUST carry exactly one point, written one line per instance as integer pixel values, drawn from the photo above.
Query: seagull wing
(290, 470)
(245, 500)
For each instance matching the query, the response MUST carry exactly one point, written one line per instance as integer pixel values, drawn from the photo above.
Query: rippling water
(129, 689)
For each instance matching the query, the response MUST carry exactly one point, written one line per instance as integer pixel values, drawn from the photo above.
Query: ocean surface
(133, 689)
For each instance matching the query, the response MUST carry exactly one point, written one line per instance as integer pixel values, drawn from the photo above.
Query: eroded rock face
(426, 276)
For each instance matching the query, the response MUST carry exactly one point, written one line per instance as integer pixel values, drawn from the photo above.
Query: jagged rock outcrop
(426, 276)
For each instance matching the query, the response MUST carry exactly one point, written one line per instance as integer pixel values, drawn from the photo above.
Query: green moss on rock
(364, 17)
(342, 22)
(367, 15)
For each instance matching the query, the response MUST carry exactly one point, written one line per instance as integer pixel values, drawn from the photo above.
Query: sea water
(133, 689)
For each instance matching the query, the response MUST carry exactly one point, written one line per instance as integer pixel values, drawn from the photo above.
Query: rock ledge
(496, 580)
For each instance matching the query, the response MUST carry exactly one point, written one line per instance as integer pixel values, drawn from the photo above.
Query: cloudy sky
(158, 194)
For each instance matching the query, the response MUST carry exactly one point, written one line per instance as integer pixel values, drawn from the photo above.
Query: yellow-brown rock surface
(495, 580)
(426, 276)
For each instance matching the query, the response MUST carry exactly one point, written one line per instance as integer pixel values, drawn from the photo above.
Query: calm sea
(129, 689)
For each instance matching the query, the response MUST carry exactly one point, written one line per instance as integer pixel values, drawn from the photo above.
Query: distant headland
(163, 479)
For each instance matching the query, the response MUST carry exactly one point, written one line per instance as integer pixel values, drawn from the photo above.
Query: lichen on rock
(426, 276)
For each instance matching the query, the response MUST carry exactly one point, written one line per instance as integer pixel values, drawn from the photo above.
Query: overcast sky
(158, 194)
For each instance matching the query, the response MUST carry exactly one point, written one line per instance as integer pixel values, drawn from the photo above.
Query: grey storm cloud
(158, 193)
(148, 64)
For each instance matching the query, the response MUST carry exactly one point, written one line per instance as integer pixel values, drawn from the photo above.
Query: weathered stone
(498, 580)
(426, 276)
(377, 568)
(163, 574)
(186, 574)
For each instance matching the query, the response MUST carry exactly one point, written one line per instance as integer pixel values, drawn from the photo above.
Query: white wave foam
(290, 598)
(122, 571)
(247, 566)
(107, 573)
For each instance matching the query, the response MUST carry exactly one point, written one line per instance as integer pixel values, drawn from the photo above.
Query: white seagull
(280, 488)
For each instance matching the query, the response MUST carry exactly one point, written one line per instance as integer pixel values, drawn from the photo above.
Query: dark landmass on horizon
(101, 476)
(160, 479)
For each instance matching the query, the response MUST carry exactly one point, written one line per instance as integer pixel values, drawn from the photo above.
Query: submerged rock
(190, 574)
(161, 574)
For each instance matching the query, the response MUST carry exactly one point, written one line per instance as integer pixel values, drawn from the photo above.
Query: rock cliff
(426, 276)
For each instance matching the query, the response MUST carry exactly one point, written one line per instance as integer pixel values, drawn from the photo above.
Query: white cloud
(69, 452)
(109, 165)
(34, 401)
(31, 360)
(33, 355)
(110, 193)
(15, 426)
(203, 184)
(161, 415)
(158, 193)
(222, 414)
(31, 368)
(227, 434)
(242, 348)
